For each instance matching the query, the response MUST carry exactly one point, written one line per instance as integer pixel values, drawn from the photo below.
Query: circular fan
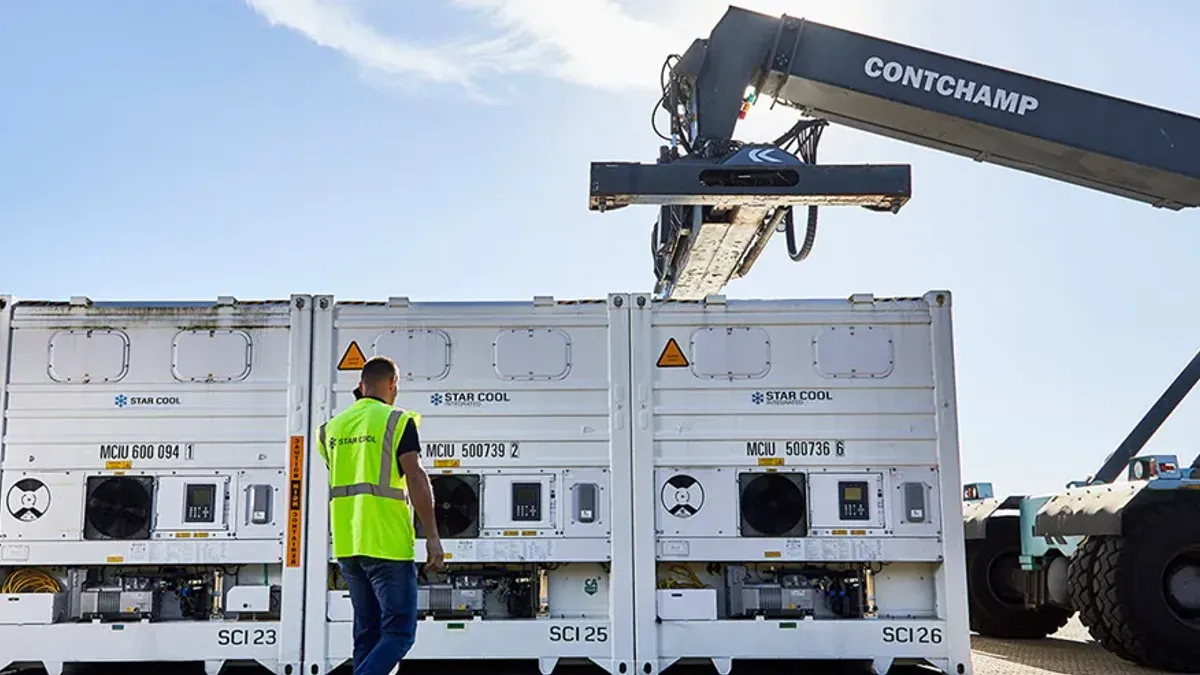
(457, 505)
(119, 507)
(772, 504)
(682, 496)
(28, 499)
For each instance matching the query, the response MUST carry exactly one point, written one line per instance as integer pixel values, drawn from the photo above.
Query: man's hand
(435, 557)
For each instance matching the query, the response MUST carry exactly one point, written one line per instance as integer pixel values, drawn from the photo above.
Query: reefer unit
(525, 435)
(152, 477)
(796, 482)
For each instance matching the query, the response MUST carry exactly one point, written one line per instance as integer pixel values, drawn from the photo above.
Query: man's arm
(409, 456)
(321, 443)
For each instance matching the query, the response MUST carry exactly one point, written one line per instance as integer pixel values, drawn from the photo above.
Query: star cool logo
(468, 399)
(123, 401)
(790, 396)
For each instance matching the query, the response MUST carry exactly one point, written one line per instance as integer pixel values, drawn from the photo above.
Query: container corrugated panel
(784, 434)
(147, 446)
(525, 439)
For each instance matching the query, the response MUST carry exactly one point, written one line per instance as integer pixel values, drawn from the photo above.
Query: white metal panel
(845, 399)
(179, 397)
(854, 351)
(732, 352)
(951, 575)
(425, 353)
(208, 355)
(511, 393)
(86, 355)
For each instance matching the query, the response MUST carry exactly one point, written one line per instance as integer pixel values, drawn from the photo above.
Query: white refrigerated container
(796, 482)
(149, 455)
(525, 436)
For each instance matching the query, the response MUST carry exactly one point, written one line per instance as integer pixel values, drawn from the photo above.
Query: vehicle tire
(1080, 581)
(1132, 581)
(997, 605)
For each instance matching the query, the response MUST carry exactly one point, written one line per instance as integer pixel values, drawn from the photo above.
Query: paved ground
(1069, 652)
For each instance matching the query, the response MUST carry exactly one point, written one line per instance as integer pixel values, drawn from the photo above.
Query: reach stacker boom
(720, 200)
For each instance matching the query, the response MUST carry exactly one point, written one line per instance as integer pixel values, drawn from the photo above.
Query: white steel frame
(327, 644)
(210, 642)
(721, 642)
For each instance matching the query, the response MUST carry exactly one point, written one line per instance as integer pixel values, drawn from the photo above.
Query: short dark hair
(378, 370)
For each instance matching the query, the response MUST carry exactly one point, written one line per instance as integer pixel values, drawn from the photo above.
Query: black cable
(654, 120)
(806, 134)
(671, 93)
(663, 84)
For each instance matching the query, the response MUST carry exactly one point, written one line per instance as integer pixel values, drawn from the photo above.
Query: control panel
(523, 501)
(852, 500)
(526, 502)
(846, 499)
(191, 503)
(200, 501)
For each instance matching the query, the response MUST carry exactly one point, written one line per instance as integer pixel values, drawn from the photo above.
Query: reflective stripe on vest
(382, 487)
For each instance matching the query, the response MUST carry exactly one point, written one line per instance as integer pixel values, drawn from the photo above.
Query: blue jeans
(384, 596)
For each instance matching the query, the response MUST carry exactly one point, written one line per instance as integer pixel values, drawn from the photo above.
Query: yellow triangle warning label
(672, 356)
(353, 359)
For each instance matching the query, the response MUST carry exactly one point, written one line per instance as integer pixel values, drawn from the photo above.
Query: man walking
(373, 454)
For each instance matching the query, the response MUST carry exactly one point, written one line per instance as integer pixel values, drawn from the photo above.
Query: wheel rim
(1004, 578)
(1181, 585)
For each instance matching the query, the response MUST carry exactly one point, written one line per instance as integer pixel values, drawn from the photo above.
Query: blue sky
(440, 150)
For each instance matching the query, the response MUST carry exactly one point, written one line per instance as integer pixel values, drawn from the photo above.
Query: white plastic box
(17, 609)
(687, 604)
(525, 411)
(779, 445)
(183, 426)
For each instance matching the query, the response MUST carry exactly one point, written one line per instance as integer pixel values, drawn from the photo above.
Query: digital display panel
(852, 501)
(526, 502)
(199, 501)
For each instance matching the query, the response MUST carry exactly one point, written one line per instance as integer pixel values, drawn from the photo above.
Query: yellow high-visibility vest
(368, 499)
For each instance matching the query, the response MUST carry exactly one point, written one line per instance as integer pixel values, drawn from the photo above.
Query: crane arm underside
(926, 98)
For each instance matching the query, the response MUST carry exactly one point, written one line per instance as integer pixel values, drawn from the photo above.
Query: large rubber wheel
(996, 599)
(1147, 586)
(1080, 584)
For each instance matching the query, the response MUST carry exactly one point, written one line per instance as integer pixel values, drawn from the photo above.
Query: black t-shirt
(408, 443)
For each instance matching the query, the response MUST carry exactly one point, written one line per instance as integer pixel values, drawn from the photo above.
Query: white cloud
(337, 25)
(597, 43)
(609, 45)
(594, 43)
